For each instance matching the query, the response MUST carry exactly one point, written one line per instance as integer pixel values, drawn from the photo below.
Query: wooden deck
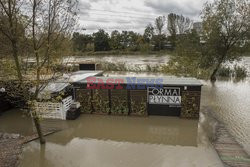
(231, 153)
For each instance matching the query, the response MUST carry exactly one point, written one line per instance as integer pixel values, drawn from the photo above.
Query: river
(94, 140)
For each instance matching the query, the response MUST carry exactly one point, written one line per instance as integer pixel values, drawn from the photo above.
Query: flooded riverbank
(92, 140)
(231, 103)
(15, 121)
(95, 140)
(229, 99)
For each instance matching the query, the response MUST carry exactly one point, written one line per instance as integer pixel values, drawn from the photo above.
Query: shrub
(225, 72)
(240, 72)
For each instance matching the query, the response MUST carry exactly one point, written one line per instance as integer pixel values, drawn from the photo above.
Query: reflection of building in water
(153, 129)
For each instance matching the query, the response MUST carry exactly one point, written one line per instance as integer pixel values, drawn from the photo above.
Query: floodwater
(98, 140)
(15, 121)
(230, 102)
(131, 62)
(119, 141)
(113, 141)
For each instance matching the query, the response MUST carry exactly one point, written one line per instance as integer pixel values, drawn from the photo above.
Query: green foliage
(101, 41)
(224, 72)
(187, 58)
(240, 72)
(159, 41)
(139, 108)
(100, 104)
(84, 97)
(225, 27)
(116, 41)
(190, 105)
(155, 68)
(148, 33)
(145, 47)
(224, 38)
(237, 72)
(120, 109)
(108, 66)
(82, 42)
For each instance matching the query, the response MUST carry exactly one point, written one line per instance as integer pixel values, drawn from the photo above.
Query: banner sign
(164, 96)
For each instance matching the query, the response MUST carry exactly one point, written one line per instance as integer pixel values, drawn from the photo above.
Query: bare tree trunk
(39, 130)
(213, 76)
(15, 56)
(36, 120)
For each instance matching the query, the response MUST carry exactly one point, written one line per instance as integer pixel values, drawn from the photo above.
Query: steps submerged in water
(229, 150)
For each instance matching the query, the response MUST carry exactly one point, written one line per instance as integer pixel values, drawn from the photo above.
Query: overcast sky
(132, 14)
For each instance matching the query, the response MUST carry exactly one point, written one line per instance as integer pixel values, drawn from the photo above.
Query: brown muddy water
(113, 141)
(131, 62)
(99, 140)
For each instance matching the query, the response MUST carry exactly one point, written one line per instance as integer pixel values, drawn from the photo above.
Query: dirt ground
(11, 146)
(10, 149)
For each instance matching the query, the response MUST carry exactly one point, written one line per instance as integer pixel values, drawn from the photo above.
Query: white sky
(132, 14)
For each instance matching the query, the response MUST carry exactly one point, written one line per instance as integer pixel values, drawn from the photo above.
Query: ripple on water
(231, 103)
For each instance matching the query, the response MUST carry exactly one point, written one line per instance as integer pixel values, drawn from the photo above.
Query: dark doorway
(86, 67)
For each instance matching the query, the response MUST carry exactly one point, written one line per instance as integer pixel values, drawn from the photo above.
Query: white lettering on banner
(164, 96)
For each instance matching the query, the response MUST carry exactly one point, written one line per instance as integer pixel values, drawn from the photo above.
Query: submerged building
(165, 96)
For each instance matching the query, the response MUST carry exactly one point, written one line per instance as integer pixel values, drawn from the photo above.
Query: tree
(184, 24)
(125, 39)
(187, 58)
(49, 26)
(12, 28)
(81, 41)
(115, 40)
(159, 24)
(148, 33)
(133, 41)
(101, 41)
(51, 20)
(172, 28)
(225, 25)
(178, 24)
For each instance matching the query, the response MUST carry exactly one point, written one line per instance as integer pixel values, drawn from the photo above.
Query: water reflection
(153, 129)
(15, 121)
(95, 153)
(230, 102)
(144, 142)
